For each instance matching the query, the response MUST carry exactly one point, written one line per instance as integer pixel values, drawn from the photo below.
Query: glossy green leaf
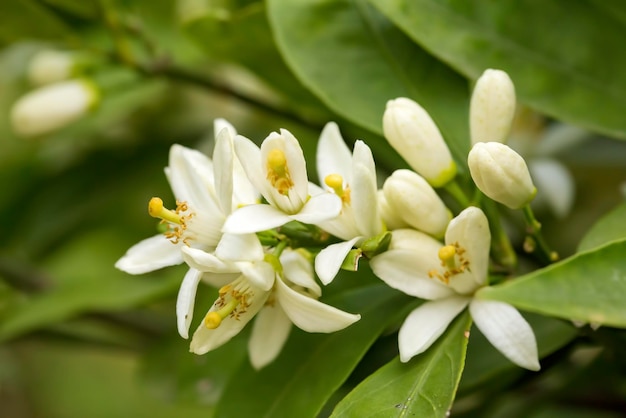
(355, 60)
(588, 287)
(611, 227)
(564, 57)
(84, 279)
(312, 367)
(423, 387)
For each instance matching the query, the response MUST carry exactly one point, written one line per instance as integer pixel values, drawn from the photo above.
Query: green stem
(501, 248)
(535, 242)
(457, 193)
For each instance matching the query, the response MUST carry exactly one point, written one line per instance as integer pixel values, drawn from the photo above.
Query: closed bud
(52, 107)
(416, 202)
(501, 174)
(413, 134)
(50, 66)
(492, 107)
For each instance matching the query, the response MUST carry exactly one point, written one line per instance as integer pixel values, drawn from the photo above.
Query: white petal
(220, 123)
(470, 229)
(250, 154)
(333, 155)
(364, 195)
(218, 280)
(555, 185)
(507, 330)
(426, 323)
(186, 300)
(190, 174)
(150, 254)
(239, 247)
(407, 271)
(298, 270)
(205, 339)
(269, 334)
(319, 208)
(260, 273)
(203, 261)
(223, 156)
(309, 314)
(254, 218)
(329, 260)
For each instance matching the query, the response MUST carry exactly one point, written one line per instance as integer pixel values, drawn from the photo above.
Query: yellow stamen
(453, 262)
(446, 255)
(335, 182)
(157, 210)
(278, 172)
(213, 319)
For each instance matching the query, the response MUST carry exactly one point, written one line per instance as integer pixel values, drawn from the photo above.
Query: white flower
(492, 107)
(278, 171)
(409, 196)
(292, 299)
(352, 177)
(52, 107)
(206, 192)
(501, 174)
(448, 277)
(414, 135)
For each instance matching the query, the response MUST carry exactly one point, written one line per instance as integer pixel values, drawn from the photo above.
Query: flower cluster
(260, 232)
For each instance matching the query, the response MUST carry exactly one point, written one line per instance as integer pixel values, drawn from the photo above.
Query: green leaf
(84, 279)
(611, 227)
(424, 387)
(572, 70)
(311, 367)
(588, 287)
(355, 60)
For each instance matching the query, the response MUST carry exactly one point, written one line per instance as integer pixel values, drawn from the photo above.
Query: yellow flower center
(452, 260)
(278, 172)
(335, 182)
(176, 220)
(234, 300)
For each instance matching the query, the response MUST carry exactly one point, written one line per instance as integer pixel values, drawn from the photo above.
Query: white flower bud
(492, 107)
(52, 107)
(388, 213)
(501, 174)
(414, 135)
(416, 202)
(50, 66)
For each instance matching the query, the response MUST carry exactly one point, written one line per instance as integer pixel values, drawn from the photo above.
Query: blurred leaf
(85, 280)
(311, 367)
(565, 58)
(424, 387)
(75, 381)
(170, 370)
(241, 35)
(484, 361)
(587, 287)
(611, 227)
(355, 60)
(27, 19)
